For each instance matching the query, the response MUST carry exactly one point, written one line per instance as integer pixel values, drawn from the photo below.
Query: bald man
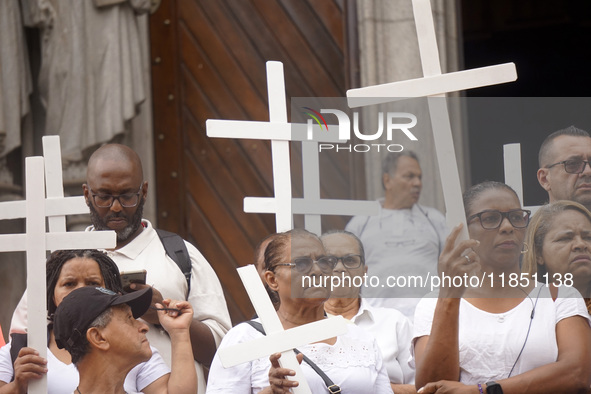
(115, 192)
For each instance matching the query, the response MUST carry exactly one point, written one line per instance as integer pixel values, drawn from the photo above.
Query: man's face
(559, 184)
(115, 178)
(127, 336)
(403, 187)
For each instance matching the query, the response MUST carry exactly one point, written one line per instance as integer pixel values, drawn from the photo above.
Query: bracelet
(480, 388)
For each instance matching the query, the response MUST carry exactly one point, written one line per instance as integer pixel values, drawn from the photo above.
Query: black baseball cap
(79, 309)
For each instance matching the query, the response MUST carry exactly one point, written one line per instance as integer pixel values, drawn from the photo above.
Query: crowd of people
(524, 326)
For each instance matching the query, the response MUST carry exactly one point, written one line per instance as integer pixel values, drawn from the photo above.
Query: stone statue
(15, 77)
(90, 80)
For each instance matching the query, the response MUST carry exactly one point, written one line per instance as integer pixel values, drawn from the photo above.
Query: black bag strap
(177, 250)
(332, 388)
(19, 341)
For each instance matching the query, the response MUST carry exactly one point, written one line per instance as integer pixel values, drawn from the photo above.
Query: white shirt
(402, 243)
(206, 297)
(491, 342)
(393, 332)
(354, 363)
(64, 378)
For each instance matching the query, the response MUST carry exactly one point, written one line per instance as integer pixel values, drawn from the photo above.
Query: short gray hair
(391, 161)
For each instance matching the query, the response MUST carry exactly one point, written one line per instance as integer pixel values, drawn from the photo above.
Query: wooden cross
(513, 176)
(435, 85)
(277, 340)
(36, 242)
(280, 132)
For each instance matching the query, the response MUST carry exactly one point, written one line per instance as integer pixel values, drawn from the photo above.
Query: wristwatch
(493, 388)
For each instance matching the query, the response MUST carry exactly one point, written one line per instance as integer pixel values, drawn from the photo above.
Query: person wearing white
(499, 336)
(354, 363)
(404, 239)
(393, 333)
(490, 343)
(115, 193)
(392, 330)
(64, 378)
(68, 270)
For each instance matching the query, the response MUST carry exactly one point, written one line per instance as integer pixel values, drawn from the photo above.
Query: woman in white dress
(352, 361)
(559, 237)
(505, 334)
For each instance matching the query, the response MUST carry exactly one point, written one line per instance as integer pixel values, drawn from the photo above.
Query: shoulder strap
(19, 341)
(332, 388)
(177, 250)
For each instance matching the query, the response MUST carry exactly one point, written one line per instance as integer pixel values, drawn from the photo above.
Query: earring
(525, 248)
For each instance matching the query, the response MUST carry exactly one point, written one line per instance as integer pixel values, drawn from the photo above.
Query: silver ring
(468, 258)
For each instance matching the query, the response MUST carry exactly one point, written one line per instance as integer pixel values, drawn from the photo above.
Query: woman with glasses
(392, 330)
(351, 361)
(505, 334)
(559, 239)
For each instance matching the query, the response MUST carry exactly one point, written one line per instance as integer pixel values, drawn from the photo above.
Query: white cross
(36, 241)
(277, 340)
(435, 85)
(280, 132)
(513, 176)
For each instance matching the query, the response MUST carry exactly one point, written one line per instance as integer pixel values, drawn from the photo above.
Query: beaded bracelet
(480, 388)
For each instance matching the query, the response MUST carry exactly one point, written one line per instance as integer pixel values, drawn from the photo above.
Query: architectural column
(389, 52)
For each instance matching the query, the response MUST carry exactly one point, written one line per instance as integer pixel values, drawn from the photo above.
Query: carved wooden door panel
(208, 61)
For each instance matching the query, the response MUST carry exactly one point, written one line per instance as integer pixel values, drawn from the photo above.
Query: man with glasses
(115, 192)
(392, 330)
(564, 171)
(404, 239)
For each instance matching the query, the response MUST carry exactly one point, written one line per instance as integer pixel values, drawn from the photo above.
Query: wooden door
(208, 61)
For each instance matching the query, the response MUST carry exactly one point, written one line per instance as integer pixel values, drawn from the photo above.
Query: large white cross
(36, 241)
(435, 85)
(280, 132)
(277, 340)
(513, 175)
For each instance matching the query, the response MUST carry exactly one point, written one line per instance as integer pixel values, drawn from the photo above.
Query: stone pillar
(388, 53)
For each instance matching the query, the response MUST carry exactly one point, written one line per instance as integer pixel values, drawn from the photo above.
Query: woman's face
(289, 280)
(75, 273)
(566, 248)
(499, 248)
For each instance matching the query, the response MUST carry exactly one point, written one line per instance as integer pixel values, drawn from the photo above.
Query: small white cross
(434, 84)
(513, 176)
(280, 132)
(36, 241)
(277, 340)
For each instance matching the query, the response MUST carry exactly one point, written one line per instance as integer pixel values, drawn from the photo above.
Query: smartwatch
(493, 388)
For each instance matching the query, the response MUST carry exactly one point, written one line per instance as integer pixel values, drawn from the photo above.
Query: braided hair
(57, 259)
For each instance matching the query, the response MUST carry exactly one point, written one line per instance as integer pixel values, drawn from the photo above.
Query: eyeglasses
(573, 166)
(303, 265)
(492, 219)
(127, 200)
(350, 261)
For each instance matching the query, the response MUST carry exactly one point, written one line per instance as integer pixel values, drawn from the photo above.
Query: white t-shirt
(354, 363)
(64, 378)
(491, 342)
(206, 297)
(400, 243)
(393, 332)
